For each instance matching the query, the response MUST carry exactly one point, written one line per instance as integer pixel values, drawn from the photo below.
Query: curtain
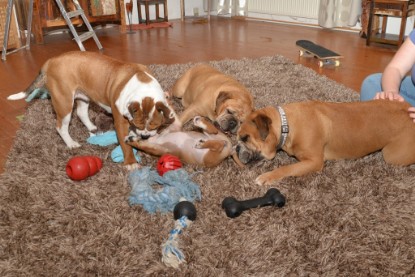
(339, 13)
(232, 7)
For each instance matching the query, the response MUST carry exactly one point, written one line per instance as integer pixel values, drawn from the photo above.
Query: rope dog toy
(176, 185)
(177, 189)
(184, 214)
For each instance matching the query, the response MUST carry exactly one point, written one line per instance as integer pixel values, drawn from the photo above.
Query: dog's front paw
(130, 138)
(200, 122)
(73, 145)
(197, 120)
(266, 179)
(131, 167)
(199, 144)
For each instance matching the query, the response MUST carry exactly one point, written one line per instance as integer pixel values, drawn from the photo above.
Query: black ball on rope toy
(185, 208)
(184, 213)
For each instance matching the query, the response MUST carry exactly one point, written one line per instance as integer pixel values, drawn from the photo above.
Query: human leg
(370, 86)
(373, 84)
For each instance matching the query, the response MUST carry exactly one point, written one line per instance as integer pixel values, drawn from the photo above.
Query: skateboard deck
(324, 55)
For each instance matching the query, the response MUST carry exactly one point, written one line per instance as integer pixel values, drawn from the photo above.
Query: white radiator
(293, 8)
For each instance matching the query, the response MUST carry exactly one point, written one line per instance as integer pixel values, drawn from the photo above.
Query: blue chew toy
(108, 138)
(40, 93)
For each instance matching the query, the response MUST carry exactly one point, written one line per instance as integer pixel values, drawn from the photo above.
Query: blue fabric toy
(40, 93)
(109, 138)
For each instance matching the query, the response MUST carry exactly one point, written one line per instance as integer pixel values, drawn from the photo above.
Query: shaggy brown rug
(355, 218)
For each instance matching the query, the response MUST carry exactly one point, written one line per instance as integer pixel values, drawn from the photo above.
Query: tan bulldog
(207, 92)
(314, 132)
(127, 90)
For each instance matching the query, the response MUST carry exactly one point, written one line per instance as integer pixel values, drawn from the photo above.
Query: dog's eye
(244, 138)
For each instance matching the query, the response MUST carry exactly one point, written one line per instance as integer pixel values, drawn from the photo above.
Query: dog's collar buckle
(284, 128)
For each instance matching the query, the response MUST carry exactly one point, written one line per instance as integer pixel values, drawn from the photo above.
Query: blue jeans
(373, 84)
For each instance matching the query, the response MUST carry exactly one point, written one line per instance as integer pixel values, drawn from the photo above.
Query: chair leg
(403, 23)
(369, 27)
(166, 16)
(157, 12)
(140, 18)
(147, 13)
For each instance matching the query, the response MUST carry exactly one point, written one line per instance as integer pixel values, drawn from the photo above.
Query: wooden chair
(384, 9)
(147, 4)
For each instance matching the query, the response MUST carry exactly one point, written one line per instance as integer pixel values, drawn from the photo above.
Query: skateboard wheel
(337, 63)
(320, 63)
(301, 53)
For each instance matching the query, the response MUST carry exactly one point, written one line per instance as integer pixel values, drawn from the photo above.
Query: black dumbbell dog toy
(234, 208)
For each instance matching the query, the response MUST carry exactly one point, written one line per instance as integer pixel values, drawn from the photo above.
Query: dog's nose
(145, 136)
(232, 124)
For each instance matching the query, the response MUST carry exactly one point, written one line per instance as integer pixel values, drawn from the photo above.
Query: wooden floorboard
(189, 42)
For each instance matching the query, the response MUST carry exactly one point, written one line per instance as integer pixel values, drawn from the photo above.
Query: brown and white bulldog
(317, 131)
(127, 90)
(207, 148)
(207, 92)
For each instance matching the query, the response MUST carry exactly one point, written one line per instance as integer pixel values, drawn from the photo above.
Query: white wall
(174, 13)
(394, 25)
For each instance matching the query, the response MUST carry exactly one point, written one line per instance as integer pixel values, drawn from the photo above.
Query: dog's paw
(73, 145)
(266, 179)
(92, 129)
(200, 143)
(130, 138)
(131, 167)
(197, 119)
(198, 122)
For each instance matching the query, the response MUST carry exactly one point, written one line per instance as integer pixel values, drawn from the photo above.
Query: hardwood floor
(189, 42)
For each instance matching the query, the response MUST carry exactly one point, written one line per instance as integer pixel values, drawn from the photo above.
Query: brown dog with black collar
(127, 90)
(207, 92)
(314, 132)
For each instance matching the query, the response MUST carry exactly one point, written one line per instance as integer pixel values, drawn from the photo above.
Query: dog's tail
(34, 88)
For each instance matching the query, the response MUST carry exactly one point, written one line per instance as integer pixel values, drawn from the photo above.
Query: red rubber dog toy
(168, 162)
(81, 167)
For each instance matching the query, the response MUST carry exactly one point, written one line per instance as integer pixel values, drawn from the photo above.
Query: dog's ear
(263, 124)
(133, 108)
(167, 113)
(222, 97)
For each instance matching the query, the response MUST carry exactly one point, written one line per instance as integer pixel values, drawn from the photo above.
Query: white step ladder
(78, 12)
(66, 15)
(7, 29)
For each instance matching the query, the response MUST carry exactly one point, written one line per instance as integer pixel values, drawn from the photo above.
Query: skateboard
(324, 55)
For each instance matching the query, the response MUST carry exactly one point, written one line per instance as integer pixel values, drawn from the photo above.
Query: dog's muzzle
(136, 134)
(227, 124)
(246, 155)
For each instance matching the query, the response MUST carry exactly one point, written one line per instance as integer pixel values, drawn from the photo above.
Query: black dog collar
(284, 128)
